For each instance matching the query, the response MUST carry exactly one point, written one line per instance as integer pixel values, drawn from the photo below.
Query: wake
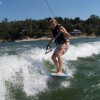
(30, 64)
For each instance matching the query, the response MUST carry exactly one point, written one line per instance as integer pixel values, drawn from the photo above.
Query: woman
(60, 35)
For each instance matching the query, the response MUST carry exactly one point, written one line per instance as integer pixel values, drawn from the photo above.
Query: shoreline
(46, 38)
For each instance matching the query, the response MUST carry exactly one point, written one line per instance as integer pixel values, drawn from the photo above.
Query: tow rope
(49, 7)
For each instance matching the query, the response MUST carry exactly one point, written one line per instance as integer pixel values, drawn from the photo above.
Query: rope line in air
(49, 8)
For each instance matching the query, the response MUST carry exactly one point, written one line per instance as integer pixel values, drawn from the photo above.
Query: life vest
(59, 37)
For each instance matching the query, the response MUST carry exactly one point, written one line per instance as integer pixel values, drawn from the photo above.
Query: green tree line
(37, 28)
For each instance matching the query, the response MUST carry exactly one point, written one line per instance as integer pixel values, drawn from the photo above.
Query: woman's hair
(53, 20)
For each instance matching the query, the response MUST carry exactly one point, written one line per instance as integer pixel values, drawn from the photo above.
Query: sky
(38, 9)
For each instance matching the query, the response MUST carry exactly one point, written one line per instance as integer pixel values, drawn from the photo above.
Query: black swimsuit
(59, 37)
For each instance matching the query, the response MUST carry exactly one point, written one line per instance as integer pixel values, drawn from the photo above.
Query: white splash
(65, 84)
(82, 50)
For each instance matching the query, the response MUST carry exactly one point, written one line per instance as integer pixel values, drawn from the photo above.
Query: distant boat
(17, 40)
(75, 32)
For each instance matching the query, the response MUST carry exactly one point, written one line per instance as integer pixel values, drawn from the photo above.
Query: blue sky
(38, 9)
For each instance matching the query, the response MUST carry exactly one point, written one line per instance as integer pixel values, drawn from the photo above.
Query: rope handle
(48, 49)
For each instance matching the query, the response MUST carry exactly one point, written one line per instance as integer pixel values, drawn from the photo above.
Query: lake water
(24, 69)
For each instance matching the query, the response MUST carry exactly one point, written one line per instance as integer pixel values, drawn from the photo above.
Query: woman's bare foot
(59, 73)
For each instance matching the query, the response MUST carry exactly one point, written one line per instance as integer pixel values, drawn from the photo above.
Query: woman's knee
(53, 57)
(60, 53)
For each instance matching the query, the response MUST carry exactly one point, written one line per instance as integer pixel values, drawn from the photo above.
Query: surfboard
(61, 75)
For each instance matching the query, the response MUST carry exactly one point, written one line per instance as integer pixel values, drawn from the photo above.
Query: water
(24, 69)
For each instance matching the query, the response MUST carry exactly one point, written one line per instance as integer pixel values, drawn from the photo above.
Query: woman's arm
(64, 31)
(50, 41)
(52, 38)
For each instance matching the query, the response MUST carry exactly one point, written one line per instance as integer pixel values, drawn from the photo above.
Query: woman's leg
(56, 57)
(59, 54)
(63, 48)
(55, 60)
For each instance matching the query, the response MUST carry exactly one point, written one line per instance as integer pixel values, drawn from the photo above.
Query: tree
(89, 29)
(30, 27)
